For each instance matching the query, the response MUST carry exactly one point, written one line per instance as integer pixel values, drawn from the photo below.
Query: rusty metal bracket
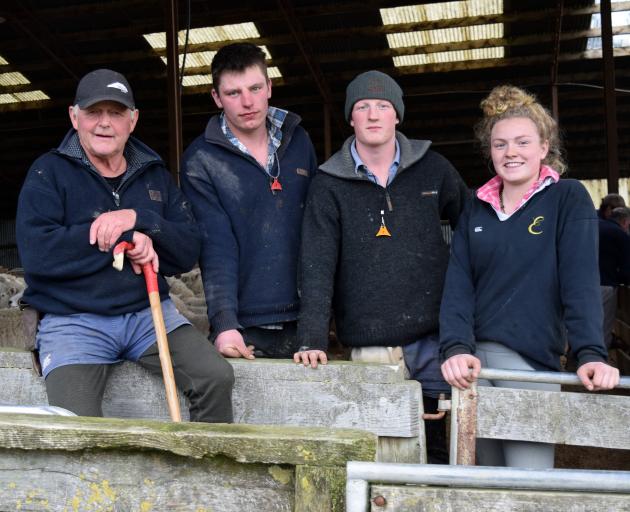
(444, 405)
(464, 425)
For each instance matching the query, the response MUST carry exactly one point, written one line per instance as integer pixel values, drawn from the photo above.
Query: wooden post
(610, 103)
(173, 96)
(327, 134)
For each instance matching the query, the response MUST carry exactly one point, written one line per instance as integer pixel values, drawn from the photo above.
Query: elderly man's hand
(142, 253)
(108, 227)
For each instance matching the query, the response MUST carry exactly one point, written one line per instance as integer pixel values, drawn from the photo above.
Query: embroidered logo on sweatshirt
(478, 229)
(535, 227)
(301, 172)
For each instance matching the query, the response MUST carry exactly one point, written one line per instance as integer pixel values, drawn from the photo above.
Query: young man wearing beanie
(372, 245)
(247, 177)
(100, 187)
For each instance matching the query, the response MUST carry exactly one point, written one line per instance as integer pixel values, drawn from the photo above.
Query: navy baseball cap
(104, 85)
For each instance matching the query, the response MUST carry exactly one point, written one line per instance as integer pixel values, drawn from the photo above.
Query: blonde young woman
(523, 274)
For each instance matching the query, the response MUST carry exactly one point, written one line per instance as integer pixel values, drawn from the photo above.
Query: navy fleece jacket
(61, 197)
(250, 236)
(522, 281)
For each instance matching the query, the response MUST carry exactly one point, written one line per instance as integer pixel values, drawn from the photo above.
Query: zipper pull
(390, 207)
(116, 197)
(382, 230)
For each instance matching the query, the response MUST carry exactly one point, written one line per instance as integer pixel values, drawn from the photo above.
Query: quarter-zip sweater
(250, 235)
(61, 197)
(526, 281)
(384, 290)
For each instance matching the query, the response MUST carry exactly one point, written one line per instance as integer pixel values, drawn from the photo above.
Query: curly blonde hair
(507, 101)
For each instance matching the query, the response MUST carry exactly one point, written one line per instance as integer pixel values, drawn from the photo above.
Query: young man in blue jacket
(247, 176)
(100, 187)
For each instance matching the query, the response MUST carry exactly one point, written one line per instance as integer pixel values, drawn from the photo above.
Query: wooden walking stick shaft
(162, 343)
(150, 278)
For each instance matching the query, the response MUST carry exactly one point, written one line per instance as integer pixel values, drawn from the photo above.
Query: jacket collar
(214, 135)
(136, 153)
(341, 164)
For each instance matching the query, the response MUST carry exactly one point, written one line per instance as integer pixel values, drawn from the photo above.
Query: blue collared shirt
(360, 167)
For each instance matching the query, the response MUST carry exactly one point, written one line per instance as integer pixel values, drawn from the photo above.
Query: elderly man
(100, 187)
(247, 176)
(372, 244)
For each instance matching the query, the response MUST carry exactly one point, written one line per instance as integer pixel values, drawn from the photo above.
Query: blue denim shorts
(87, 338)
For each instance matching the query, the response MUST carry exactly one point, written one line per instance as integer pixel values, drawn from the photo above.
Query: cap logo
(119, 86)
(375, 88)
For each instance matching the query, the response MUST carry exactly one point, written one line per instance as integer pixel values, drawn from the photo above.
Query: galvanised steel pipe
(532, 376)
(358, 474)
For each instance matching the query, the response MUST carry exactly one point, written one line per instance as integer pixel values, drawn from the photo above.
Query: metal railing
(464, 406)
(360, 474)
(546, 377)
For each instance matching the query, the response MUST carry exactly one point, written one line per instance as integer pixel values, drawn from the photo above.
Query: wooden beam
(302, 41)
(38, 33)
(173, 89)
(555, 61)
(368, 31)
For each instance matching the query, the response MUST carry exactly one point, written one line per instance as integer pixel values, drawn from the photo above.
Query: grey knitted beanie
(374, 85)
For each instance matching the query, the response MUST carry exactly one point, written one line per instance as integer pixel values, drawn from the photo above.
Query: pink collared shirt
(490, 191)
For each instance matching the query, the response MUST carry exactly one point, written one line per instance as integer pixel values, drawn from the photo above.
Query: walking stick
(150, 278)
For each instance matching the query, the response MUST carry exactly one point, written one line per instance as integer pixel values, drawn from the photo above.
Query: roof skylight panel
(460, 34)
(196, 36)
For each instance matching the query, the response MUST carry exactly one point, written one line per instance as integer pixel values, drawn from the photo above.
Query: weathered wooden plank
(345, 371)
(244, 443)
(433, 499)
(12, 330)
(338, 395)
(581, 419)
(101, 480)
(11, 357)
(386, 410)
(402, 449)
(320, 489)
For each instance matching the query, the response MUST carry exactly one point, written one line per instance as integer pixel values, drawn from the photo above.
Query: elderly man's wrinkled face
(104, 128)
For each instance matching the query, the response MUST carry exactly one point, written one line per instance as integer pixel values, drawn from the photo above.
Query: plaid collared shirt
(275, 119)
(491, 190)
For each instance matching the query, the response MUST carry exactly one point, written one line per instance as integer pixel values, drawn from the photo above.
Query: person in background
(608, 204)
(523, 269)
(614, 263)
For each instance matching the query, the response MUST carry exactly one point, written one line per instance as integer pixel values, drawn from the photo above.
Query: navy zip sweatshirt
(250, 236)
(61, 197)
(522, 281)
